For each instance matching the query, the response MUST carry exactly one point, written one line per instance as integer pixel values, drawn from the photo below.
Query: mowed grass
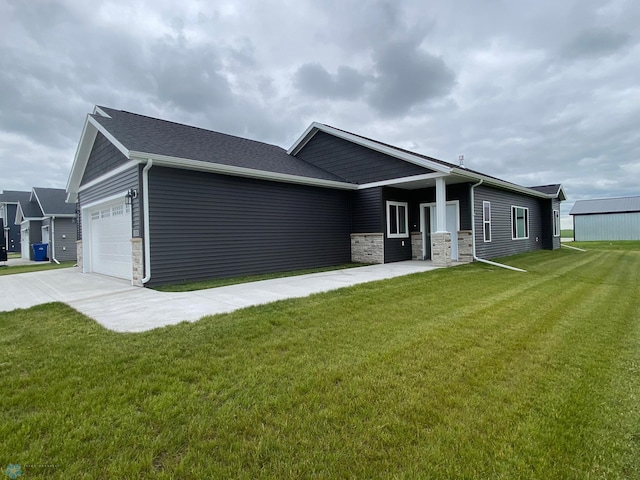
(471, 372)
(33, 267)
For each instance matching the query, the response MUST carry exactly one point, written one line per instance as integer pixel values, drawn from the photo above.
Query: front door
(429, 216)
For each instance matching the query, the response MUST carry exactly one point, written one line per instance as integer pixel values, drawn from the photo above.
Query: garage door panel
(110, 239)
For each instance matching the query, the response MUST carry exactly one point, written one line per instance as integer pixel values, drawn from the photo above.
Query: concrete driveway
(117, 305)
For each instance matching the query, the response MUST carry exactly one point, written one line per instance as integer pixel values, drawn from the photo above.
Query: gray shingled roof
(53, 201)
(30, 209)
(548, 189)
(14, 196)
(606, 205)
(151, 135)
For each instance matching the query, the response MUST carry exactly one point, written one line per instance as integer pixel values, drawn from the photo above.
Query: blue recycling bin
(40, 251)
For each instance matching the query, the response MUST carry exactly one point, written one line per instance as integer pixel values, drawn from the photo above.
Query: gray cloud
(313, 79)
(596, 42)
(407, 76)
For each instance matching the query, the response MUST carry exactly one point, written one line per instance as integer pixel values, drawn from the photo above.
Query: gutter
(53, 240)
(473, 234)
(145, 206)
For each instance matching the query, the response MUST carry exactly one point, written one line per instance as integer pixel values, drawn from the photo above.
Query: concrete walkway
(117, 305)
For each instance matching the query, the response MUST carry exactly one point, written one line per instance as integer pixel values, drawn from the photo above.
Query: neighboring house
(46, 217)
(8, 206)
(162, 202)
(606, 219)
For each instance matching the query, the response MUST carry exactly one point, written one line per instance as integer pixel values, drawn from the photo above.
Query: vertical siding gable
(353, 162)
(206, 225)
(104, 157)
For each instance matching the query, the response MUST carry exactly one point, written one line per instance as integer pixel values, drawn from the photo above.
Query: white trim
(98, 111)
(145, 220)
(556, 222)
(110, 198)
(391, 151)
(111, 138)
(187, 164)
(391, 203)
(110, 174)
(485, 221)
(395, 181)
(424, 227)
(513, 207)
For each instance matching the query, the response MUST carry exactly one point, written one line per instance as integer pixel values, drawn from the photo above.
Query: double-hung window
(486, 221)
(519, 222)
(397, 220)
(556, 223)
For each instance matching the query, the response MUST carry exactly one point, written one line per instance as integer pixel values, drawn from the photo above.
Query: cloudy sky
(532, 92)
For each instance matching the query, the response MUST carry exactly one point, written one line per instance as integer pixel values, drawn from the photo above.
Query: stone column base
(79, 261)
(416, 246)
(137, 262)
(465, 246)
(441, 249)
(367, 247)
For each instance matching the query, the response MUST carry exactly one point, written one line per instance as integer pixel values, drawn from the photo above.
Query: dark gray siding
(64, 242)
(215, 226)
(353, 162)
(395, 249)
(547, 207)
(555, 205)
(115, 185)
(368, 211)
(14, 230)
(104, 157)
(501, 244)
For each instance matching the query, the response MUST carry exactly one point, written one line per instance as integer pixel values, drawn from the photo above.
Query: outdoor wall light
(131, 194)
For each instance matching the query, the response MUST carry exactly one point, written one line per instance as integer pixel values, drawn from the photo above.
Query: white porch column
(441, 205)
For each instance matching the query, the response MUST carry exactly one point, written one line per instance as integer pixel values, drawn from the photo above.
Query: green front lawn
(470, 372)
(34, 267)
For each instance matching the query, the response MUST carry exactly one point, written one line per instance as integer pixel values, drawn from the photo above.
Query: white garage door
(110, 239)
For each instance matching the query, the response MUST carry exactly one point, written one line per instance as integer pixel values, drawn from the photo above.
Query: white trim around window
(486, 221)
(556, 223)
(519, 223)
(397, 219)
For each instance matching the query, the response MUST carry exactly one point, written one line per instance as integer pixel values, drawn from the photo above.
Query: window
(556, 223)
(519, 222)
(486, 221)
(397, 220)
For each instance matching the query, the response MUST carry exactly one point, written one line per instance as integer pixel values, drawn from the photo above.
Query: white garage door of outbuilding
(108, 237)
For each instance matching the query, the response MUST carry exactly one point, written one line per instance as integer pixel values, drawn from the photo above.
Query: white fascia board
(304, 138)
(185, 163)
(35, 194)
(19, 215)
(111, 173)
(88, 137)
(395, 181)
(501, 183)
(98, 111)
(407, 157)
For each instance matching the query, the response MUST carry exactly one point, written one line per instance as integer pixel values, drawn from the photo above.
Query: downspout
(52, 240)
(145, 213)
(473, 234)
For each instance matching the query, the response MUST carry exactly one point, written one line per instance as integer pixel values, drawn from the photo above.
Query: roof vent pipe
(461, 161)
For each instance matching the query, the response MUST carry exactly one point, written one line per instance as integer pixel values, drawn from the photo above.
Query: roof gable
(52, 202)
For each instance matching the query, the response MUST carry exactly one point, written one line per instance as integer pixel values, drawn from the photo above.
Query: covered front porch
(425, 219)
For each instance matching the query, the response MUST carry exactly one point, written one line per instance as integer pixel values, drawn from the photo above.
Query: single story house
(161, 202)
(606, 219)
(45, 217)
(8, 205)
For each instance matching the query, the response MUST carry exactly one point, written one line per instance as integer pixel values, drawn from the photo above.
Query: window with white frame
(556, 223)
(397, 220)
(519, 222)
(486, 221)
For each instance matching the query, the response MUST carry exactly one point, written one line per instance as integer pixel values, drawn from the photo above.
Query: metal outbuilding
(606, 219)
